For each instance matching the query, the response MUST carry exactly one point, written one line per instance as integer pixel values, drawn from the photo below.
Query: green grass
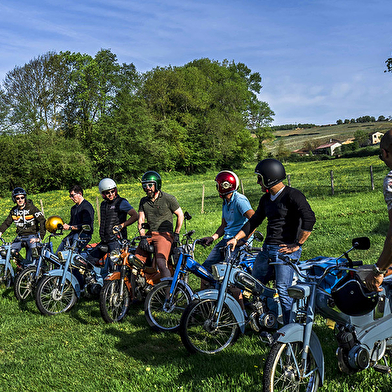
(78, 351)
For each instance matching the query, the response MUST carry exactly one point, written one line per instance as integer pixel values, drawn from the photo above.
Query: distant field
(295, 139)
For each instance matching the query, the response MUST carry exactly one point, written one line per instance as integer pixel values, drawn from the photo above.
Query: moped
(362, 320)
(58, 290)
(214, 319)
(8, 255)
(166, 302)
(130, 282)
(26, 280)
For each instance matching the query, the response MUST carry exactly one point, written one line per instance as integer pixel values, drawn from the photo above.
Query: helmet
(18, 191)
(54, 223)
(152, 176)
(352, 297)
(105, 184)
(226, 182)
(271, 171)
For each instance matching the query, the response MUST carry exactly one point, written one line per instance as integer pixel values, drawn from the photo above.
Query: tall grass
(78, 351)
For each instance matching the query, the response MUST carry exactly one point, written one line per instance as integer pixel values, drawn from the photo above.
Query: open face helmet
(54, 223)
(270, 171)
(226, 182)
(152, 177)
(18, 191)
(105, 185)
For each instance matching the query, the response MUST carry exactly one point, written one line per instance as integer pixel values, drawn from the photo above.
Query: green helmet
(152, 176)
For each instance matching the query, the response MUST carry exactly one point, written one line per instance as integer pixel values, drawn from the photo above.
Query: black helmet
(271, 172)
(18, 191)
(352, 297)
(152, 176)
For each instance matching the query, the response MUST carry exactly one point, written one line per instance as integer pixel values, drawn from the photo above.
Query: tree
(361, 137)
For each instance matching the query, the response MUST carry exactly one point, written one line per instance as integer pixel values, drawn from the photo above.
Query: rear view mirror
(258, 236)
(362, 243)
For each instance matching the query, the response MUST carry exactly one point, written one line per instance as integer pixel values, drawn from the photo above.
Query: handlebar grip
(190, 233)
(357, 263)
(256, 249)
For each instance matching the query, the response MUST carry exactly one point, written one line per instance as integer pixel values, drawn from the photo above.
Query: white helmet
(105, 184)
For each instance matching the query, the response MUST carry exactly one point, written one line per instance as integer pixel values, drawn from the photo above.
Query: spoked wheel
(49, 298)
(199, 332)
(162, 315)
(25, 283)
(283, 370)
(5, 276)
(112, 303)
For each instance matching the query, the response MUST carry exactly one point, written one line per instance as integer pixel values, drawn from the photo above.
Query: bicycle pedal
(266, 337)
(382, 369)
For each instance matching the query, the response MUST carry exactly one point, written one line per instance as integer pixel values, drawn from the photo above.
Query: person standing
(29, 222)
(82, 213)
(290, 221)
(114, 212)
(236, 210)
(157, 208)
(375, 278)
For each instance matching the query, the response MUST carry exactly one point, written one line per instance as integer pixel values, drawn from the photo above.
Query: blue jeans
(217, 254)
(284, 274)
(17, 245)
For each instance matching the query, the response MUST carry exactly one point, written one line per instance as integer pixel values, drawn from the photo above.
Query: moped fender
(68, 276)
(294, 332)
(230, 301)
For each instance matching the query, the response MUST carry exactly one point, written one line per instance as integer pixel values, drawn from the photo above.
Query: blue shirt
(233, 213)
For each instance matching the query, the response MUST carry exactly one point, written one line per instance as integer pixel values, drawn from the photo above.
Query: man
(114, 211)
(82, 213)
(29, 221)
(375, 278)
(290, 221)
(157, 208)
(236, 210)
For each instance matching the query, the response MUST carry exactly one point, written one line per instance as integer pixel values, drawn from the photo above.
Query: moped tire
(163, 316)
(25, 284)
(197, 333)
(282, 366)
(5, 276)
(112, 305)
(48, 298)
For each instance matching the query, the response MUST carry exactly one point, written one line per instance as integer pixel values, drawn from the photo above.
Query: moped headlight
(62, 256)
(3, 252)
(115, 256)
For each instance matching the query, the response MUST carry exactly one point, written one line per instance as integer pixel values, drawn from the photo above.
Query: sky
(320, 60)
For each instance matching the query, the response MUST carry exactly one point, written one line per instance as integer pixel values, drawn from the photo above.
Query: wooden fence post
(332, 184)
(202, 200)
(288, 180)
(371, 177)
(42, 206)
(98, 212)
(242, 187)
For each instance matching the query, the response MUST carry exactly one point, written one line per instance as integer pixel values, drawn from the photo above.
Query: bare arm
(180, 219)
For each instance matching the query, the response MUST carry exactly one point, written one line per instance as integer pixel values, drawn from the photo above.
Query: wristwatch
(298, 243)
(377, 271)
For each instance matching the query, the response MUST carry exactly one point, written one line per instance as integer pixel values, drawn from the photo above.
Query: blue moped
(58, 290)
(362, 321)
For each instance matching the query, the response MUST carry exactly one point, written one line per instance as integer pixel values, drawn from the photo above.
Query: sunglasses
(72, 195)
(109, 192)
(149, 185)
(19, 198)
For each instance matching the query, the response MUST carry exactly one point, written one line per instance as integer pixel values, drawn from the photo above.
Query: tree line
(71, 117)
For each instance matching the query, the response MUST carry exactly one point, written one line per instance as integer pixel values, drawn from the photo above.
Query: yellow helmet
(54, 223)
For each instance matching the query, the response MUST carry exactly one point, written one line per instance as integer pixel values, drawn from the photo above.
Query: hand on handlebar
(232, 243)
(117, 228)
(373, 282)
(207, 241)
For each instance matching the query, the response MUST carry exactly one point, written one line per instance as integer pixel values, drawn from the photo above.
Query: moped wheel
(162, 315)
(25, 283)
(283, 370)
(5, 276)
(112, 304)
(50, 300)
(198, 332)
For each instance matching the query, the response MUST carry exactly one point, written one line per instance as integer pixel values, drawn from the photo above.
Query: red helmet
(226, 182)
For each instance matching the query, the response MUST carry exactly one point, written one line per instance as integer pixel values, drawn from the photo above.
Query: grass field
(77, 351)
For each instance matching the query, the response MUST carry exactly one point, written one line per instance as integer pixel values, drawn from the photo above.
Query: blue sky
(320, 60)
